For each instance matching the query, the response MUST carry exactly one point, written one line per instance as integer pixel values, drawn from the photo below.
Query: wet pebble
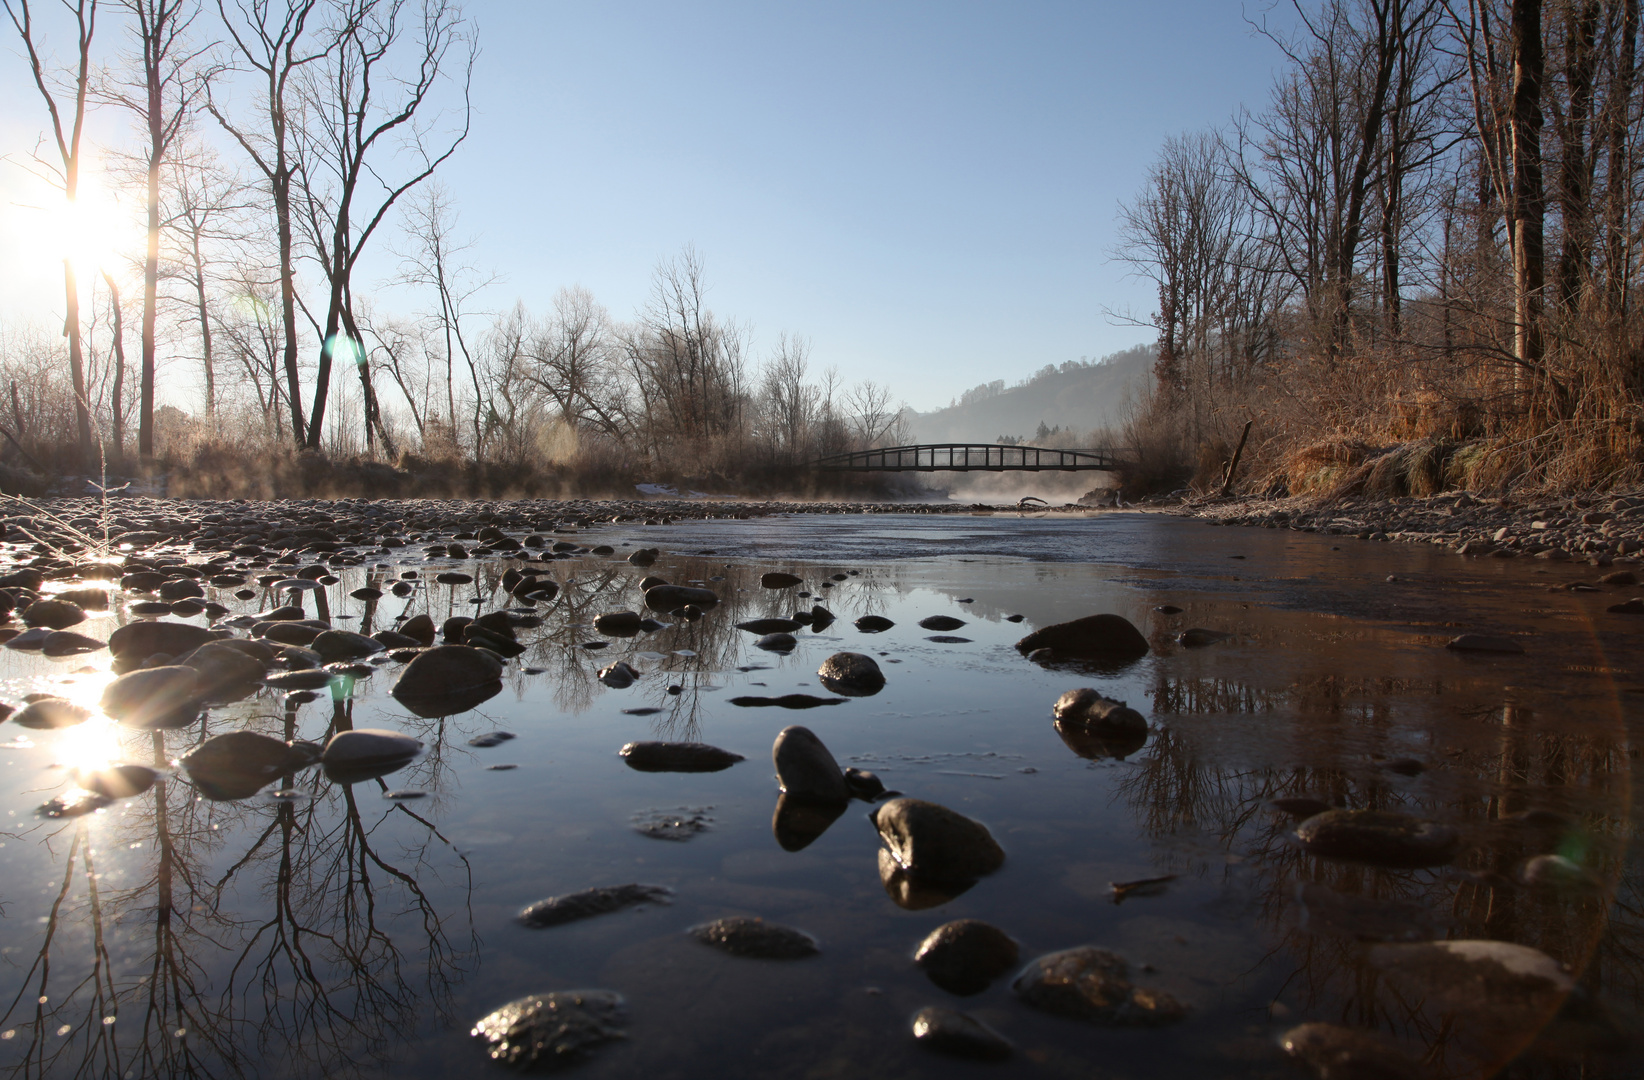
(48, 713)
(549, 1032)
(956, 1034)
(1337, 1052)
(1104, 638)
(558, 910)
(769, 626)
(932, 842)
(776, 579)
(1197, 637)
(490, 738)
(116, 781)
(941, 622)
(805, 769)
(1382, 837)
(851, 674)
(618, 676)
(1091, 984)
(873, 624)
(756, 938)
(778, 643)
(965, 956)
(786, 701)
(652, 756)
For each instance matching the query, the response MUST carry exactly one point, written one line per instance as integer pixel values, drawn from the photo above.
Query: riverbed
(326, 928)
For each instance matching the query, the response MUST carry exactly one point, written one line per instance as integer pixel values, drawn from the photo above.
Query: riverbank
(1600, 530)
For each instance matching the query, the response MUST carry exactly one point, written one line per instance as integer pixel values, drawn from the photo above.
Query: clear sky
(927, 191)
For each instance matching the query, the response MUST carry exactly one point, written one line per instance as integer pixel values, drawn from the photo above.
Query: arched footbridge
(971, 457)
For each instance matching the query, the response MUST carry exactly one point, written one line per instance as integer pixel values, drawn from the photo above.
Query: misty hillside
(1077, 396)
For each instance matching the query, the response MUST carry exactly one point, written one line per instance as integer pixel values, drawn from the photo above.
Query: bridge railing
(969, 457)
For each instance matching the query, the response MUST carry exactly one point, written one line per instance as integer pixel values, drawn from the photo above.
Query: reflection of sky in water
(341, 932)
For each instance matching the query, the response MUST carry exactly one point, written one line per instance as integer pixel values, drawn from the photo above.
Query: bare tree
(270, 39)
(872, 415)
(67, 132)
(574, 361)
(160, 96)
(359, 102)
(201, 202)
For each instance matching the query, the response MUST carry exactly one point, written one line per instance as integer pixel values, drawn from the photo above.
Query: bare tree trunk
(1575, 179)
(117, 404)
(1529, 203)
(203, 312)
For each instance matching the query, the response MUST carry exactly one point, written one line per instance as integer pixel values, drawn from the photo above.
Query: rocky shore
(1599, 530)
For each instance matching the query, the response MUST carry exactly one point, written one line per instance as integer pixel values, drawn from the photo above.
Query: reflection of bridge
(969, 457)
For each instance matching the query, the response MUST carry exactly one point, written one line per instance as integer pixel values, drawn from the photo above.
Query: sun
(97, 233)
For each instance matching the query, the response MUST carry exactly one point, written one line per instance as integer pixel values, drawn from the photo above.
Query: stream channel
(329, 930)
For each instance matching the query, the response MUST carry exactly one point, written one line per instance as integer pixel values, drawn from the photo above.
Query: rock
(301, 634)
(1619, 577)
(956, 1034)
(117, 781)
(558, 910)
(798, 822)
(776, 579)
(941, 622)
(644, 556)
(1197, 637)
(756, 938)
(55, 614)
(1336, 1052)
(1484, 643)
(1106, 639)
(805, 769)
(154, 697)
(934, 843)
(1168, 609)
(1091, 984)
(31, 640)
(72, 806)
(421, 628)
(965, 956)
(916, 893)
(864, 785)
(140, 640)
(786, 701)
(622, 624)
(677, 826)
(49, 714)
(180, 589)
(667, 598)
(221, 669)
(68, 643)
(851, 674)
(549, 1032)
(651, 756)
(367, 753)
(1635, 606)
(779, 643)
(448, 676)
(345, 645)
(390, 639)
(1088, 707)
(873, 624)
(238, 764)
(619, 676)
(1378, 836)
(769, 626)
(306, 679)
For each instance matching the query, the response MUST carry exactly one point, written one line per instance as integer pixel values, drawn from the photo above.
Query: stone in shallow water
(49, 713)
(957, 1034)
(68, 643)
(651, 756)
(786, 701)
(558, 910)
(768, 626)
(1378, 836)
(964, 956)
(1336, 1052)
(490, 738)
(56, 614)
(752, 937)
(851, 674)
(549, 1032)
(72, 806)
(1091, 984)
(805, 769)
(779, 643)
(873, 624)
(941, 622)
(117, 781)
(932, 842)
(677, 825)
(776, 579)
(798, 822)
(238, 764)
(1486, 643)
(619, 676)
(1196, 637)
(1104, 638)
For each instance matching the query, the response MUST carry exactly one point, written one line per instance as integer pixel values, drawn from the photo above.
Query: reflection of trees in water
(1178, 787)
(295, 943)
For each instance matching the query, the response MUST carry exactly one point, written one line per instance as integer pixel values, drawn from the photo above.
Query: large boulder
(1108, 639)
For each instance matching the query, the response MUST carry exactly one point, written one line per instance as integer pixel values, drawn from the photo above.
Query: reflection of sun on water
(94, 744)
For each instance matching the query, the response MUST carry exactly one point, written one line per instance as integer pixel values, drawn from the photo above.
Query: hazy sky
(927, 191)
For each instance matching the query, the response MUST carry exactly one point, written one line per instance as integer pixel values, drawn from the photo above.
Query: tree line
(1430, 232)
(277, 146)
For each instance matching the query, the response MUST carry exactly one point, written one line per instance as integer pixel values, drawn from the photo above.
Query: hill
(1075, 397)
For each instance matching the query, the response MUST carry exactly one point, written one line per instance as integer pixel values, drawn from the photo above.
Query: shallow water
(338, 932)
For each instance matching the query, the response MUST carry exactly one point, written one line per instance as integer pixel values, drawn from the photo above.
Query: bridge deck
(970, 457)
